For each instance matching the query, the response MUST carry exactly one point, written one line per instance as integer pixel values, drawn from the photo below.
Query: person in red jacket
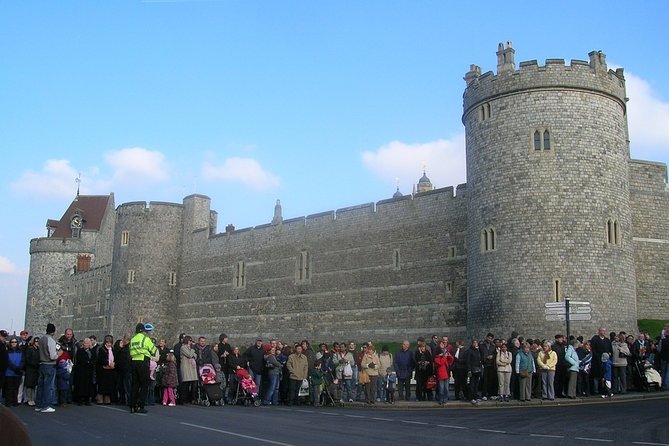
(443, 360)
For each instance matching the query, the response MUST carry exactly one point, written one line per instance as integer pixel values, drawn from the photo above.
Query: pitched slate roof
(92, 210)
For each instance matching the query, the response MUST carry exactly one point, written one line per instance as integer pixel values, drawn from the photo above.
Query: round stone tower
(547, 181)
(145, 266)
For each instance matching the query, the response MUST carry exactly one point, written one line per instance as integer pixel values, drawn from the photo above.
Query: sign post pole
(566, 307)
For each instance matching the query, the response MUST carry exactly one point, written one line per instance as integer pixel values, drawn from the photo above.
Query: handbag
(348, 371)
(524, 373)
(363, 377)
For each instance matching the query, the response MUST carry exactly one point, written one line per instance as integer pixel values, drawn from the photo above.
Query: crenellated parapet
(60, 245)
(592, 76)
(450, 201)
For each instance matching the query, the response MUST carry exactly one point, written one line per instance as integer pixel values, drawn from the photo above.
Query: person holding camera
(369, 363)
(443, 360)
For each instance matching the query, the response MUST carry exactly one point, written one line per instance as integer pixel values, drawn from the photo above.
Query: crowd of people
(46, 372)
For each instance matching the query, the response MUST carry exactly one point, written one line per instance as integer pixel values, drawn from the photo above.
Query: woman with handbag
(525, 368)
(423, 360)
(273, 367)
(572, 359)
(370, 365)
(188, 365)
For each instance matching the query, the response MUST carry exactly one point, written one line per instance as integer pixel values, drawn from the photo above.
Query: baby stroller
(209, 389)
(330, 390)
(646, 375)
(247, 391)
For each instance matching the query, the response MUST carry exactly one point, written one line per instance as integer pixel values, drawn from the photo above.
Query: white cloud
(247, 171)
(6, 266)
(648, 118)
(56, 179)
(129, 167)
(137, 165)
(443, 160)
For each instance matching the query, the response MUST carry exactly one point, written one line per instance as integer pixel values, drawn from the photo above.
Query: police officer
(142, 350)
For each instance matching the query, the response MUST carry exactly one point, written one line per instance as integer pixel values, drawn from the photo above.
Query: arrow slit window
(557, 290)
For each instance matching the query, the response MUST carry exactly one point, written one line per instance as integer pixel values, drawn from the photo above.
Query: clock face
(76, 221)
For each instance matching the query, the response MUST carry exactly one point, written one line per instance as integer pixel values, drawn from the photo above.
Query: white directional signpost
(567, 311)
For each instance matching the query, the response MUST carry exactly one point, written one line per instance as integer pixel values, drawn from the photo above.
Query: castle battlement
(592, 76)
(140, 207)
(59, 245)
(399, 207)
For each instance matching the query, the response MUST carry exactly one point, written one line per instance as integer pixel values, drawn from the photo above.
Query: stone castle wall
(356, 287)
(650, 223)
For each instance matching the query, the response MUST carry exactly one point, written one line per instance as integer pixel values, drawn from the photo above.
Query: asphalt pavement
(633, 419)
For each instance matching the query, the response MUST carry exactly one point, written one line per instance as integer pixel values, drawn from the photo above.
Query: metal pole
(566, 307)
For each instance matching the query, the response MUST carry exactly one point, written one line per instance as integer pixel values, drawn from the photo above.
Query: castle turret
(278, 218)
(505, 58)
(548, 196)
(147, 261)
(424, 184)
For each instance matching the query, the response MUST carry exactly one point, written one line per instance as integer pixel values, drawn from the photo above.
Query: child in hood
(607, 370)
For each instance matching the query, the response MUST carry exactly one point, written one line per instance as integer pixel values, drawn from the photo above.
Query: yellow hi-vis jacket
(141, 347)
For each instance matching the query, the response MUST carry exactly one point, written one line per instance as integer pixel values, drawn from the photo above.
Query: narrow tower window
(239, 280)
(303, 273)
(484, 240)
(396, 259)
(125, 238)
(613, 233)
(609, 231)
(547, 140)
(488, 239)
(557, 291)
(537, 140)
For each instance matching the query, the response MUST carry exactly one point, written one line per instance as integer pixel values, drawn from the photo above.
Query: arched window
(547, 140)
(488, 239)
(609, 231)
(614, 234)
(484, 240)
(537, 140)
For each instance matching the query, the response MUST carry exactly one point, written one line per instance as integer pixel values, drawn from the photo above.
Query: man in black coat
(560, 381)
(600, 344)
(255, 356)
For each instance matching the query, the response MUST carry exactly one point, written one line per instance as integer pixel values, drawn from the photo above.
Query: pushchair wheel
(247, 402)
(206, 403)
(256, 403)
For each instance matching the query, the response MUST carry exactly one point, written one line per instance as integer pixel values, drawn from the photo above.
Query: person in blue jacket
(13, 373)
(403, 364)
(573, 362)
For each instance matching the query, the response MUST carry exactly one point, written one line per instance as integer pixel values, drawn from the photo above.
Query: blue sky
(320, 104)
